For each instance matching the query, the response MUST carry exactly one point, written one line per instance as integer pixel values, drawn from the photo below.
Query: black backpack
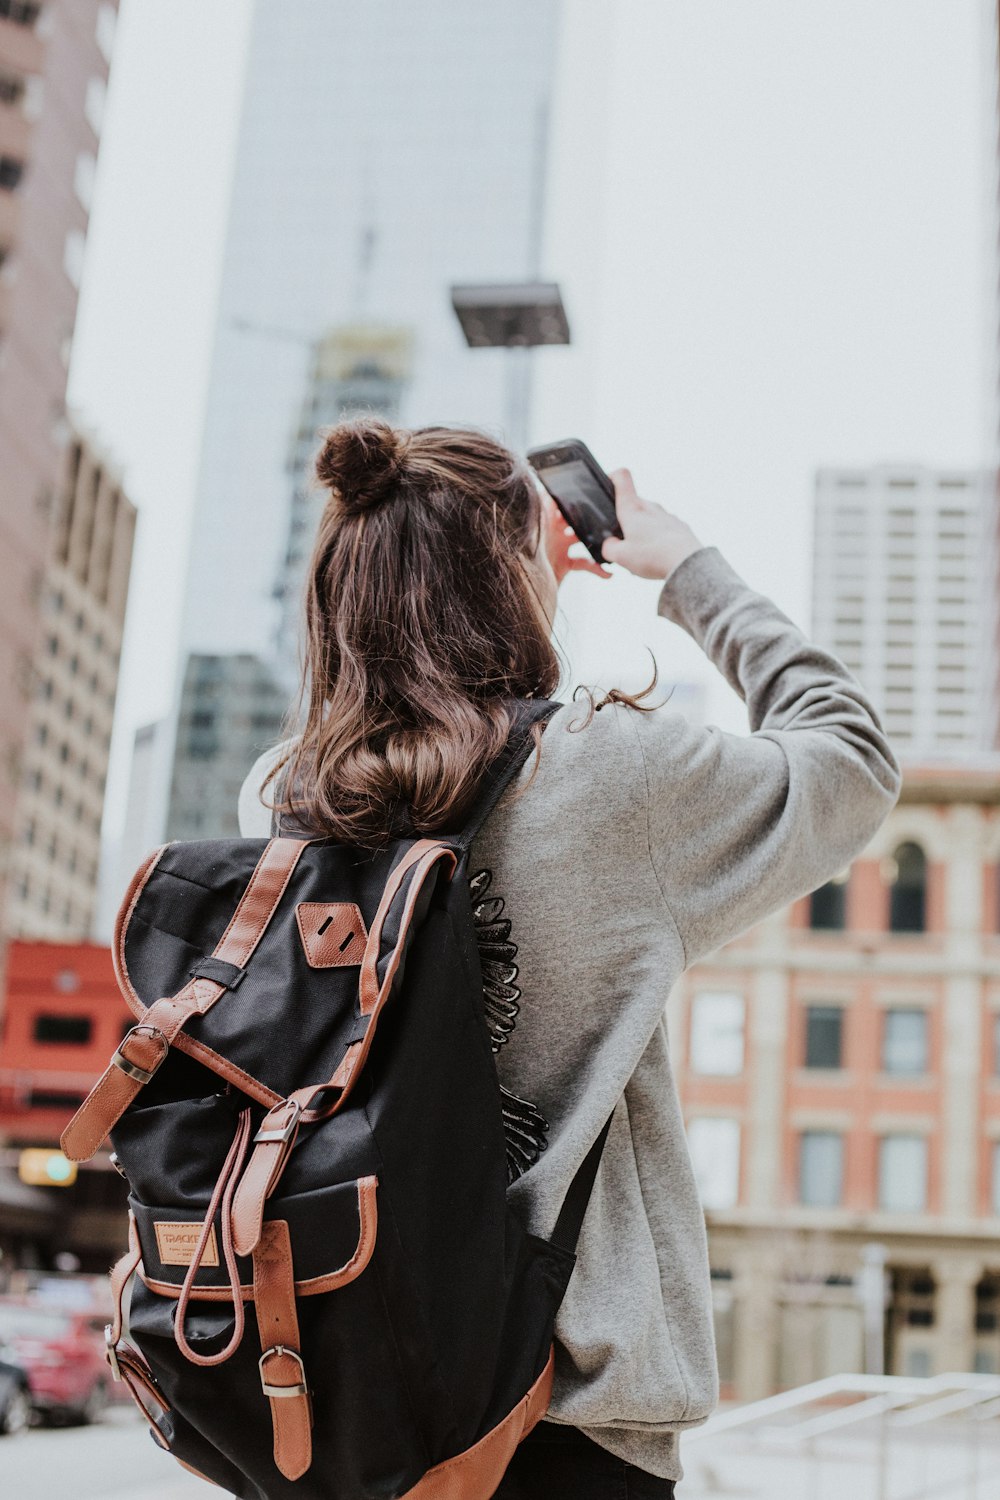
(313, 1135)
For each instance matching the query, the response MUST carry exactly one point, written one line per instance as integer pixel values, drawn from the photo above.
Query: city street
(114, 1458)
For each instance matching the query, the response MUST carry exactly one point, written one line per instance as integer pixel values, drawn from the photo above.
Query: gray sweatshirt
(644, 844)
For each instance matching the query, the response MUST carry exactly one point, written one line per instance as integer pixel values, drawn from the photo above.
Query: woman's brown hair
(421, 624)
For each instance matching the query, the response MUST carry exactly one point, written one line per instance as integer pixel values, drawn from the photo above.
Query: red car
(62, 1350)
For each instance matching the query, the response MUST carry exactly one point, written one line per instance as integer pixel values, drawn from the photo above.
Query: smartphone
(580, 488)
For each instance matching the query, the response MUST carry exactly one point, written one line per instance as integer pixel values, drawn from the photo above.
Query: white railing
(915, 1439)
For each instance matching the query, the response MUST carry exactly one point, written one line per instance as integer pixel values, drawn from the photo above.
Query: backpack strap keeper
(230, 976)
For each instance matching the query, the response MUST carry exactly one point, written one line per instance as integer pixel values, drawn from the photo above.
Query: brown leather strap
(221, 1196)
(368, 985)
(127, 1365)
(421, 860)
(282, 1372)
(276, 1137)
(273, 1144)
(147, 1044)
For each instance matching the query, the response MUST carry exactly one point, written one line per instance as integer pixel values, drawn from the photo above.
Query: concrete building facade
(839, 1067)
(54, 60)
(904, 592)
(52, 890)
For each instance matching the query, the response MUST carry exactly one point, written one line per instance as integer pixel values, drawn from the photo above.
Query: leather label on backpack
(176, 1244)
(333, 933)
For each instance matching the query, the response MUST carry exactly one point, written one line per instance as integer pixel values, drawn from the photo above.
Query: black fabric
(556, 1461)
(570, 1220)
(217, 968)
(440, 1335)
(526, 714)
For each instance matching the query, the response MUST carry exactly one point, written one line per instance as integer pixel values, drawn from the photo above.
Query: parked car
(62, 1350)
(15, 1396)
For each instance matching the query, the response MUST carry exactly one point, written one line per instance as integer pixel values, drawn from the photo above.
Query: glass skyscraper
(385, 152)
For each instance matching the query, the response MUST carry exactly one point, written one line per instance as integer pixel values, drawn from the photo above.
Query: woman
(633, 844)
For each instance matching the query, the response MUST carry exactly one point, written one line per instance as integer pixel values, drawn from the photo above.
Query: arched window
(828, 904)
(908, 892)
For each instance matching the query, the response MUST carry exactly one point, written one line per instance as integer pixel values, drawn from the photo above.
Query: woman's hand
(653, 541)
(559, 538)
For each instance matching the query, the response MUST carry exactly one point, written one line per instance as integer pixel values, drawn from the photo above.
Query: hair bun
(361, 461)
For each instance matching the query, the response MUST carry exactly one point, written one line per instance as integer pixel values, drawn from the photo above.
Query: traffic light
(40, 1167)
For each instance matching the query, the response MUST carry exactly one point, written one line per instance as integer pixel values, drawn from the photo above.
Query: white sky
(773, 225)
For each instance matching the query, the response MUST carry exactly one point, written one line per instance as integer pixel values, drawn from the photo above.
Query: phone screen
(584, 500)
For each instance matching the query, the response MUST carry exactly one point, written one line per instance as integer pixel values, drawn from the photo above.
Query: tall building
(839, 1068)
(358, 369)
(904, 563)
(385, 153)
(54, 59)
(57, 840)
(232, 708)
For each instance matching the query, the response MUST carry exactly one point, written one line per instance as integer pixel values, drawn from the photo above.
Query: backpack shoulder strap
(527, 712)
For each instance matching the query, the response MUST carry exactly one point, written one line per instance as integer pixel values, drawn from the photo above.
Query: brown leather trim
(263, 1173)
(122, 920)
(333, 933)
(309, 1286)
(354, 1059)
(282, 1372)
(115, 1090)
(226, 1069)
(476, 1473)
(368, 985)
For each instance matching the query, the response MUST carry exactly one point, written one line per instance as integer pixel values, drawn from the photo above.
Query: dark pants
(559, 1463)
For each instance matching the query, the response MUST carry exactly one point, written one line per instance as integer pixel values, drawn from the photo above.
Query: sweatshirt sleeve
(739, 825)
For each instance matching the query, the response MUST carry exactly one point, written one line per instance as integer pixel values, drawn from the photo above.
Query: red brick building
(62, 1018)
(839, 1067)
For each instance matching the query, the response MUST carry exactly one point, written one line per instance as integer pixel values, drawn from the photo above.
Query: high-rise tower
(902, 593)
(418, 133)
(54, 59)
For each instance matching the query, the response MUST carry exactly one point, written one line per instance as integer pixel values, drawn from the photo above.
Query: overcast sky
(773, 225)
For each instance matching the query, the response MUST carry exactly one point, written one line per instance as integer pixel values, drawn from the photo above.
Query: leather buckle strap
(133, 1070)
(121, 1081)
(300, 1388)
(280, 1134)
(274, 1142)
(282, 1372)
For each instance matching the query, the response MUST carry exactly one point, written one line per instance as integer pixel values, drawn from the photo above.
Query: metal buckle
(283, 1390)
(131, 1069)
(284, 1135)
(112, 1353)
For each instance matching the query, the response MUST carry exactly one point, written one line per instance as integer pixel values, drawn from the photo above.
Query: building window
(821, 1168)
(74, 1030)
(21, 12)
(904, 1042)
(908, 894)
(824, 1036)
(714, 1144)
(828, 904)
(995, 1195)
(11, 172)
(902, 1173)
(717, 1033)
